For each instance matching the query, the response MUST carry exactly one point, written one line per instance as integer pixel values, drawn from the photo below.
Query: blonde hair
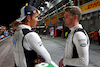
(15, 24)
(74, 10)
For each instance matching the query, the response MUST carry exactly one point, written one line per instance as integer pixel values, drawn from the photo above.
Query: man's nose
(64, 19)
(37, 19)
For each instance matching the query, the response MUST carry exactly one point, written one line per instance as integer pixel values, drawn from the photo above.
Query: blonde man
(77, 44)
(27, 44)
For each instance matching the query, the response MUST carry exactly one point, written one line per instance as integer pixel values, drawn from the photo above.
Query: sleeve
(80, 41)
(37, 45)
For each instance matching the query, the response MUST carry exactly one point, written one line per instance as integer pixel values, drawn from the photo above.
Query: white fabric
(22, 16)
(99, 32)
(80, 41)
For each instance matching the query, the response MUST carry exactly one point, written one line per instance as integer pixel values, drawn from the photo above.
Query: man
(27, 44)
(77, 43)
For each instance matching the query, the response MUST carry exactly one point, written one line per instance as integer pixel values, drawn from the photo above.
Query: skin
(31, 21)
(70, 20)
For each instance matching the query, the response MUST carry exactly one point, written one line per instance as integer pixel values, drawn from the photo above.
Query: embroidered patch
(28, 12)
(34, 11)
(82, 42)
(83, 45)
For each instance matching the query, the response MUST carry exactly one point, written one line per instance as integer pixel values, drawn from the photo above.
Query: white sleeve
(80, 41)
(37, 45)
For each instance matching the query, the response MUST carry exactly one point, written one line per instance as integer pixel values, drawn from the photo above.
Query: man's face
(68, 18)
(34, 20)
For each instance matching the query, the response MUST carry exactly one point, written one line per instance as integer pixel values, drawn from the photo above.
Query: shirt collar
(76, 27)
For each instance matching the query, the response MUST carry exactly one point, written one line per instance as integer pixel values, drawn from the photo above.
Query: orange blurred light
(26, 4)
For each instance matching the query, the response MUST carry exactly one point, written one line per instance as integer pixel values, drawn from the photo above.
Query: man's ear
(28, 18)
(75, 16)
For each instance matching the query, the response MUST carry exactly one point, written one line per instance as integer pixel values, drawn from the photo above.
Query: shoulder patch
(82, 42)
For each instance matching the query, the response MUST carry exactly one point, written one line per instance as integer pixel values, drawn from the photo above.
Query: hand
(39, 59)
(61, 63)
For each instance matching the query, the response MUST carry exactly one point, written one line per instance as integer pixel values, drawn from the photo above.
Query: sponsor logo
(40, 43)
(14, 42)
(83, 45)
(93, 5)
(82, 42)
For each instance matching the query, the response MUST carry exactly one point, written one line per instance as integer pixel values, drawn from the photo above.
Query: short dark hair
(74, 10)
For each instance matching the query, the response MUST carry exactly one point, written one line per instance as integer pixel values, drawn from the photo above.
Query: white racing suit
(80, 41)
(27, 45)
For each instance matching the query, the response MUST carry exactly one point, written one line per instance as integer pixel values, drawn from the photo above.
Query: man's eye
(36, 17)
(65, 17)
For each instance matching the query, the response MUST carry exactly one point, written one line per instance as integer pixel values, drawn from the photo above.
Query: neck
(27, 23)
(74, 24)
